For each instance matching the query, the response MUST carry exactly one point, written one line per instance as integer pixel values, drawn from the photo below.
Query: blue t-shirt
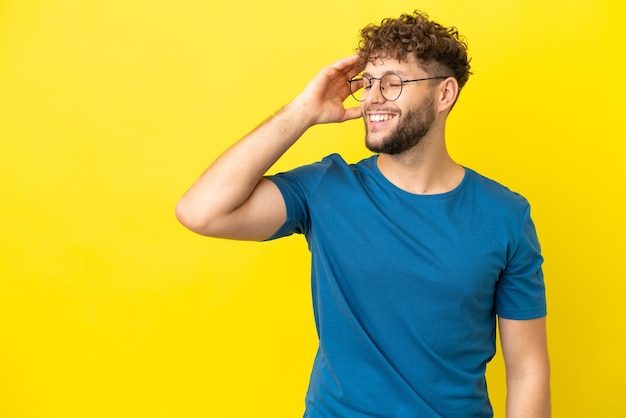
(406, 287)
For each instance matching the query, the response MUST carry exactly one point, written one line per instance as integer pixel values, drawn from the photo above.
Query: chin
(380, 147)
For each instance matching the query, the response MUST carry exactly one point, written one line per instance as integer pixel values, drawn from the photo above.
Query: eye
(392, 81)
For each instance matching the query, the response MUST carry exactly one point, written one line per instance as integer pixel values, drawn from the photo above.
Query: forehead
(377, 66)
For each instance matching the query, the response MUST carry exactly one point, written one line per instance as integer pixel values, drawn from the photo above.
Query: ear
(448, 93)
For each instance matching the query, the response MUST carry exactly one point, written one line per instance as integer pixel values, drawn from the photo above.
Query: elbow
(191, 218)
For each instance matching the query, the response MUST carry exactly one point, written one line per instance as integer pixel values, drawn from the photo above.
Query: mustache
(369, 109)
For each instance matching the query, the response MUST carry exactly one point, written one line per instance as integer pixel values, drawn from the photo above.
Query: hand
(323, 97)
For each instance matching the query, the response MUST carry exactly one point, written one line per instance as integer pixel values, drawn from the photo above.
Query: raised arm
(231, 199)
(525, 352)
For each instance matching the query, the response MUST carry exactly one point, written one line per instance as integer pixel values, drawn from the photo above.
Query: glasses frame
(380, 85)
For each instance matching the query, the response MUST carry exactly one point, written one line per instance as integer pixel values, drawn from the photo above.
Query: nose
(375, 93)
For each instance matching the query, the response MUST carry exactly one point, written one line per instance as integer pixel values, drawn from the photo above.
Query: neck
(425, 169)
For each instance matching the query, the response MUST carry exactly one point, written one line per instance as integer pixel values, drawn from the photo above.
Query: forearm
(528, 397)
(232, 177)
(230, 199)
(525, 350)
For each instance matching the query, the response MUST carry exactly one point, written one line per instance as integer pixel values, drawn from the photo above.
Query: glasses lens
(391, 86)
(357, 87)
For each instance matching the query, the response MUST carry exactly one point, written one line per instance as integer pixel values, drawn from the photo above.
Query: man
(413, 255)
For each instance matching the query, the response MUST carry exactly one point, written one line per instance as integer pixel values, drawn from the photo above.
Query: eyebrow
(398, 72)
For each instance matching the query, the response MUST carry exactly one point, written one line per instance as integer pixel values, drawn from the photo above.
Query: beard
(409, 132)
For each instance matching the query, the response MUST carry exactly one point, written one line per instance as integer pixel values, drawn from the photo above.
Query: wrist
(301, 110)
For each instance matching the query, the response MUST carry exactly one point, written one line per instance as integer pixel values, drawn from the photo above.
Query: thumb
(352, 113)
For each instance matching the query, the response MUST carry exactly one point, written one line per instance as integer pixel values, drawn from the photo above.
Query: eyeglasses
(390, 85)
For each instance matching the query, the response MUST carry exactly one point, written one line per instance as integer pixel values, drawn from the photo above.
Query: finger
(352, 113)
(348, 65)
(355, 68)
(354, 72)
(346, 62)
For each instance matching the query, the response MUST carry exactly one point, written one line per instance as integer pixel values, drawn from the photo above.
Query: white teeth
(380, 118)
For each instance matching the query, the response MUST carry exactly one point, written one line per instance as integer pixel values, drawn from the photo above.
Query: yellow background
(109, 109)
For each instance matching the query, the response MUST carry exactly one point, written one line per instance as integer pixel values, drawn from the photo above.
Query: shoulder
(495, 193)
(335, 162)
(330, 166)
(498, 203)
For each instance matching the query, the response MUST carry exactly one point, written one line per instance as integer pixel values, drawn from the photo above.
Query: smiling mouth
(380, 117)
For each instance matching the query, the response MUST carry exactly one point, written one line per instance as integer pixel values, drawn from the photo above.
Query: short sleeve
(520, 291)
(297, 186)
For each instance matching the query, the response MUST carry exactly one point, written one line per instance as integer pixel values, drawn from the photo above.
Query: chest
(452, 250)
